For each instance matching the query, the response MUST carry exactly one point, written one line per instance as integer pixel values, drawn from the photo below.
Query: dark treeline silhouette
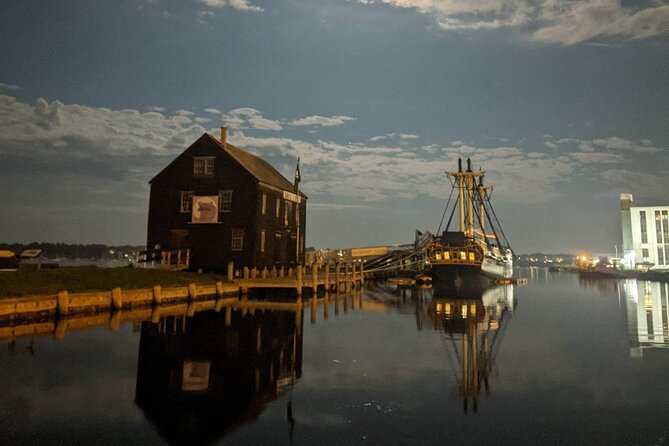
(75, 251)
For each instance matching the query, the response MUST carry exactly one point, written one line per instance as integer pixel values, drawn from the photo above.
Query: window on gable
(237, 239)
(203, 165)
(225, 200)
(186, 201)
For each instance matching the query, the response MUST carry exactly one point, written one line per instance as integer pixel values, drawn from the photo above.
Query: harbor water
(561, 360)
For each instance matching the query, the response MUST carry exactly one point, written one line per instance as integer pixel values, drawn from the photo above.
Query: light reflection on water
(559, 361)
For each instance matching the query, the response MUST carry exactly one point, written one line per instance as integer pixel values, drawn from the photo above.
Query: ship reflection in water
(473, 321)
(198, 378)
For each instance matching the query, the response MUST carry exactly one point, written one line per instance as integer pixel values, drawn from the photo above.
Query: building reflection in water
(198, 378)
(647, 315)
(472, 322)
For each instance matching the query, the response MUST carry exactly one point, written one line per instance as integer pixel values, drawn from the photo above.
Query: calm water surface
(559, 361)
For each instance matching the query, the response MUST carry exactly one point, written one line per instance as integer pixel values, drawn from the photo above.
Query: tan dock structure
(238, 285)
(57, 325)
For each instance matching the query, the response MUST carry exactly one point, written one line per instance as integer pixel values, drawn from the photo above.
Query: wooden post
(63, 303)
(263, 274)
(228, 316)
(169, 257)
(187, 257)
(246, 272)
(178, 257)
(190, 309)
(326, 303)
(117, 298)
(282, 273)
(155, 315)
(353, 282)
(336, 298)
(314, 278)
(157, 295)
(314, 308)
(231, 269)
(362, 274)
(254, 272)
(192, 292)
(115, 320)
(326, 277)
(337, 277)
(347, 276)
(300, 284)
(61, 328)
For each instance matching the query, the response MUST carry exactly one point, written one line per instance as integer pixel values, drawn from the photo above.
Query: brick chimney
(224, 136)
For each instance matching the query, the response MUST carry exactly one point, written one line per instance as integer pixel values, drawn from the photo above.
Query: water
(559, 361)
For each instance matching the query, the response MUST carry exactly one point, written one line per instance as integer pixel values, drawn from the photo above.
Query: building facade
(645, 233)
(225, 204)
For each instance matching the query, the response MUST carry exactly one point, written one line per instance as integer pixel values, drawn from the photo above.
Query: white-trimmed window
(203, 165)
(263, 207)
(225, 200)
(262, 241)
(186, 200)
(237, 240)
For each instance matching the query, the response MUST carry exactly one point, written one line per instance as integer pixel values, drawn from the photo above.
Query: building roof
(256, 166)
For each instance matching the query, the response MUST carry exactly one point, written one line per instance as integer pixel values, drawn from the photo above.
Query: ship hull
(488, 271)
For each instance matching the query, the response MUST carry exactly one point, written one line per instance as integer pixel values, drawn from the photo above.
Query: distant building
(645, 233)
(225, 204)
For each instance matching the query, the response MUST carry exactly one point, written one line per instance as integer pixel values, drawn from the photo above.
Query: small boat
(478, 250)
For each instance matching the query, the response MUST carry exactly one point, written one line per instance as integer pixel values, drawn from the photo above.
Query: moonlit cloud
(213, 111)
(610, 144)
(323, 121)
(95, 155)
(547, 21)
(249, 118)
(393, 135)
(242, 5)
(11, 87)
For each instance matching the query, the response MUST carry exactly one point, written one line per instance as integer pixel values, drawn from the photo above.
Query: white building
(645, 233)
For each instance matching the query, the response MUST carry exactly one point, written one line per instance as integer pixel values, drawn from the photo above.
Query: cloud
(563, 22)
(647, 186)
(404, 136)
(213, 111)
(242, 5)
(88, 138)
(10, 87)
(610, 144)
(249, 118)
(323, 121)
(371, 174)
(84, 170)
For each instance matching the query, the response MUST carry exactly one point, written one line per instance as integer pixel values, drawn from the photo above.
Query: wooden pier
(315, 279)
(58, 325)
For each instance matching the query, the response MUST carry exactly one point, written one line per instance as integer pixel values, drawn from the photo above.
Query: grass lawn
(90, 278)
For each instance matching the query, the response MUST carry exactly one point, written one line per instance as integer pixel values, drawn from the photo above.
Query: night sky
(564, 105)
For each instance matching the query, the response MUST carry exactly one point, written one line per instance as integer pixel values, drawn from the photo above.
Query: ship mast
(467, 191)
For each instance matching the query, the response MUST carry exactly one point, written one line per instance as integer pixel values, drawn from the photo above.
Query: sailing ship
(478, 250)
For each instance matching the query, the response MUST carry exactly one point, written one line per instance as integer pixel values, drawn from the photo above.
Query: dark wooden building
(225, 204)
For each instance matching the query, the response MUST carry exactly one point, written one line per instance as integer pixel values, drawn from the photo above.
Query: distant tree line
(75, 251)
